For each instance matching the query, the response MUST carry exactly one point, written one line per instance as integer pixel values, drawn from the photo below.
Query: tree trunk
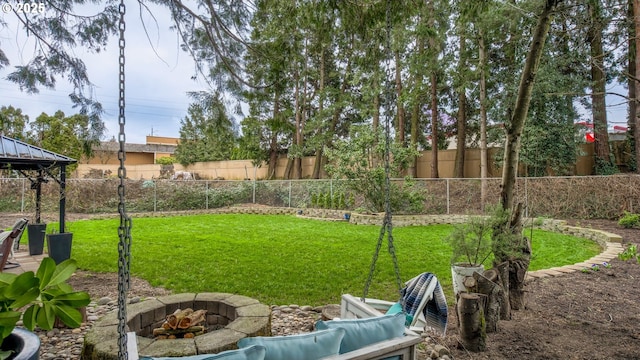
(273, 144)
(288, 169)
(434, 50)
(461, 121)
(634, 118)
(512, 227)
(598, 81)
(376, 113)
(401, 116)
(416, 111)
(297, 138)
(521, 108)
(318, 164)
(484, 173)
(434, 126)
(472, 327)
(415, 116)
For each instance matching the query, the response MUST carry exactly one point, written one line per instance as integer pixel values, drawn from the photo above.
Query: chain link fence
(583, 197)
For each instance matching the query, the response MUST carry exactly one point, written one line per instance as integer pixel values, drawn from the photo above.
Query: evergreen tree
(207, 133)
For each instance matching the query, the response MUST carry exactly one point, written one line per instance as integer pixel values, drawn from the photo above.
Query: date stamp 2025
(23, 7)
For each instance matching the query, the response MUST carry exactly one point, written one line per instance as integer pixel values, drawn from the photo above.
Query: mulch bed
(582, 315)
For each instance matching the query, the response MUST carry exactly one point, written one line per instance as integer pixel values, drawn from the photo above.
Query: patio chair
(7, 240)
(422, 300)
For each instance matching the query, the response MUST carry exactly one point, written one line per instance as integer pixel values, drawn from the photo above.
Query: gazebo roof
(18, 155)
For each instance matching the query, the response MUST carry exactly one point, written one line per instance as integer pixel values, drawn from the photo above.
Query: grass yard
(280, 259)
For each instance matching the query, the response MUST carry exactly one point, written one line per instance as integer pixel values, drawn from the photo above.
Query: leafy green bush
(166, 160)
(630, 253)
(360, 160)
(471, 241)
(629, 220)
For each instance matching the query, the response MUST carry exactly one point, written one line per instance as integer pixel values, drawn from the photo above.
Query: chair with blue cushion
(423, 303)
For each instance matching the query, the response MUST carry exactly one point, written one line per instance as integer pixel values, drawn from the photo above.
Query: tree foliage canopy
(206, 133)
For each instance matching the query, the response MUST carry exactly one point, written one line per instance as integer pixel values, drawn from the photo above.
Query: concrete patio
(25, 262)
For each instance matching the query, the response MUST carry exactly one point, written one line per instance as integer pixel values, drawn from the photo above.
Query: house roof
(140, 148)
(18, 155)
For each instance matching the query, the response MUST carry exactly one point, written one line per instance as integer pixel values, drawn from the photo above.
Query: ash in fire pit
(227, 318)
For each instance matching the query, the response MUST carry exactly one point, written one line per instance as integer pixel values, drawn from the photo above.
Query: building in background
(137, 154)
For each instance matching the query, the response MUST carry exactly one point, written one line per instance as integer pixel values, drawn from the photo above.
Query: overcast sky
(155, 89)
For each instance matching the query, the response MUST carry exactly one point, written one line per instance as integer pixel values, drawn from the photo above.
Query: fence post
(289, 193)
(331, 187)
(206, 195)
(448, 200)
(155, 196)
(254, 190)
(22, 196)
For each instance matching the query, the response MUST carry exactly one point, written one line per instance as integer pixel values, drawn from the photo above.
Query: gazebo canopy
(18, 155)
(22, 157)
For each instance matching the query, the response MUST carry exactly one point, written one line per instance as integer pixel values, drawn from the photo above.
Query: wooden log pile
(480, 310)
(185, 323)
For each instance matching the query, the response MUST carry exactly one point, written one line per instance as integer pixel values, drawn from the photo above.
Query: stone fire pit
(234, 316)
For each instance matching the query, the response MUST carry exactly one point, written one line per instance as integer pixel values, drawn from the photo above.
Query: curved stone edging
(610, 242)
(249, 318)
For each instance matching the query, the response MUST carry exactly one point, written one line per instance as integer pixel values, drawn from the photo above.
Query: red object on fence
(589, 137)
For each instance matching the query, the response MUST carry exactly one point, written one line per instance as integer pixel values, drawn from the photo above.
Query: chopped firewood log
(163, 331)
(194, 318)
(174, 319)
(171, 337)
(189, 335)
(470, 283)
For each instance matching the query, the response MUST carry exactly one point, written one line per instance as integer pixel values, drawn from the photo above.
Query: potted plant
(38, 299)
(471, 245)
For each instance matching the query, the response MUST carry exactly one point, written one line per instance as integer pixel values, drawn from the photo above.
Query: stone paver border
(247, 317)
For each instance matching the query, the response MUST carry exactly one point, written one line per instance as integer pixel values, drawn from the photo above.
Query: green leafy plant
(629, 253)
(166, 160)
(508, 243)
(629, 220)
(596, 267)
(471, 241)
(40, 298)
(360, 160)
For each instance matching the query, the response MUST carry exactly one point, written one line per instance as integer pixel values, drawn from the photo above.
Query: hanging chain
(387, 224)
(124, 231)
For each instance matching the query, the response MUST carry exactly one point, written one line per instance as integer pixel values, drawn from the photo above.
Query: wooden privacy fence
(582, 197)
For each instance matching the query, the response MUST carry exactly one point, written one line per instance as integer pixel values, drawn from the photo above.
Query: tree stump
(494, 295)
(503, 279)
(472, 330)
(517, 273)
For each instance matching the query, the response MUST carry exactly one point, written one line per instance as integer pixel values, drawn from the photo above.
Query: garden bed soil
(581, 315)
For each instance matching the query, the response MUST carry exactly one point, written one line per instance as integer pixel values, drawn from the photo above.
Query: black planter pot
(24, 343)
(59, 246)
(36, 238)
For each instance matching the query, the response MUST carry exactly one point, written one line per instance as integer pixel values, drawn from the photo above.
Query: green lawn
(281, 259)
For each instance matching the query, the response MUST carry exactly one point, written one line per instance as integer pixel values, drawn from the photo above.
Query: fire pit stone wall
(232, 317)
